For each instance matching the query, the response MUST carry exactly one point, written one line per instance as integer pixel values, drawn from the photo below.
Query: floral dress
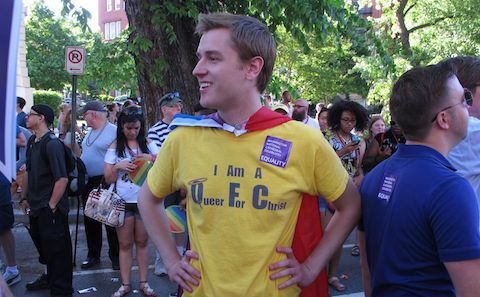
(350, 160)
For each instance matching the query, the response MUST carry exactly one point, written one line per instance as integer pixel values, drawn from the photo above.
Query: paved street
(106, 281)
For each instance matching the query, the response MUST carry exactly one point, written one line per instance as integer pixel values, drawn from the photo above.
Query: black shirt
(44, 171)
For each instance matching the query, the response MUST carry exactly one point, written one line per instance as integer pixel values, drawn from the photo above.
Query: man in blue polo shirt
(420, 219)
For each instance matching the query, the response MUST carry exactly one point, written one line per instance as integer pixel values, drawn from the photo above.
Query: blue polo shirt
(416, 214)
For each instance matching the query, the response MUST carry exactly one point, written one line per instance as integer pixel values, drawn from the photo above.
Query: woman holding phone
(131, 144)
(344, 118)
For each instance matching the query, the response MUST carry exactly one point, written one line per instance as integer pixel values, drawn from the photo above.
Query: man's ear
(254, 67)
(443, 120)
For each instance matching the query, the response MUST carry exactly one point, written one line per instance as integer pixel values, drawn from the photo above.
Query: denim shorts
(131, 209)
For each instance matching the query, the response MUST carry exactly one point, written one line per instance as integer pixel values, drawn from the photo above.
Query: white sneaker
(11, 278)
(160, 268)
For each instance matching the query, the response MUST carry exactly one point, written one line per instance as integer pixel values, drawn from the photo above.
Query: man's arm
(58, 191)
(364, 264)
(156, 222)
(24, 205)
(465, 276)
(345, 218)
(21, 140)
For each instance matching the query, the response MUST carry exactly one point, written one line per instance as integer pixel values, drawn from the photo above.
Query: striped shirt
(158, 132)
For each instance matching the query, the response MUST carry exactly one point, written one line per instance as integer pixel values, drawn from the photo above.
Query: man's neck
(19, 110)
(41, 131)
(441, 144)
(235, 116)
(167, 120)
(99, 125)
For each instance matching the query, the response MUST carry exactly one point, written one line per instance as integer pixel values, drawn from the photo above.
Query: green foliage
(319, 74)
(437, 29)
(108, 65)
(106, 98)
(46, 38)
(50, 98)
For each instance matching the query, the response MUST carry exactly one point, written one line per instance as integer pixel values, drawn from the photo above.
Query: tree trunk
(165, 67)
(404, 33)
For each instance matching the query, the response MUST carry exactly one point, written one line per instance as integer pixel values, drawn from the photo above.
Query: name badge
(276, 151)
(386, 190)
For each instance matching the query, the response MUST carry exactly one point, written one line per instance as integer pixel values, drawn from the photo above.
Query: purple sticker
(387, 187)
(276, 151)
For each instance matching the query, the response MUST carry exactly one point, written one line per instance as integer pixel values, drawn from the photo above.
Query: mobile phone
(355, 142)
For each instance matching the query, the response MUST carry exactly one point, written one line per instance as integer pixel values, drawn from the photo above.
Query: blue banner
(10, 16)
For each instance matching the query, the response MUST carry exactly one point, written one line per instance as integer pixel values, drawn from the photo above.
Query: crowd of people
(270, 192)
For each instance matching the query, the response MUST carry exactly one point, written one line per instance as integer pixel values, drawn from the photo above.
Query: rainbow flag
(139, 175)
(177, 218)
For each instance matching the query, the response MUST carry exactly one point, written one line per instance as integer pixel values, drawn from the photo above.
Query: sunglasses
(132, 111)
(33, 114)
(466, 101)
(167, 98)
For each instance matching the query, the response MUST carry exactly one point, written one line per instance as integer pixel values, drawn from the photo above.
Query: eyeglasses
(466, 101)
(132, 110)
(348, 120)
(32, 114)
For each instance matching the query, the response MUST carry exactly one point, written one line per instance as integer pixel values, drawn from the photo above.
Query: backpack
(76, 169)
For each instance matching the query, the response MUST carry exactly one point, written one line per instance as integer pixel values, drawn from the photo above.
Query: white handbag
(106, 206)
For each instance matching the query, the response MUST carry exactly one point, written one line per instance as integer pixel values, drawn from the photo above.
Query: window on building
(117, 4)
(107, 31)
(113, 33)
(113, 30)
(118, 27)
(109, 5)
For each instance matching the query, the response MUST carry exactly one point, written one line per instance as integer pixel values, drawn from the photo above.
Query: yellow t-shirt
(243, 198)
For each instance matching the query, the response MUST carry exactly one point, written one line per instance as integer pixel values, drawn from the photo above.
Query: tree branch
(408, 9)
(432, 23)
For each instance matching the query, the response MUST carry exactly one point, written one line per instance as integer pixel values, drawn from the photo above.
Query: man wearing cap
(44, 198)
(281, 109)
(170, 105)
(300, 113)
(94, 148)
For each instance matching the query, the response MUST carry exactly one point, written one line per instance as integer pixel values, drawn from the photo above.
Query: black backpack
(76, 169)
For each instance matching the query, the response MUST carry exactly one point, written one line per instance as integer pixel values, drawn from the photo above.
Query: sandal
(336, 284)
(146, 290)
(123, 290)
(355, 251)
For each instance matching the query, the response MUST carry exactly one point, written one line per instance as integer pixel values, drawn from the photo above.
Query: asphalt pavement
(105, 281)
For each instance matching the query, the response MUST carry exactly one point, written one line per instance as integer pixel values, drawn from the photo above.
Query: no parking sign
(74, 60)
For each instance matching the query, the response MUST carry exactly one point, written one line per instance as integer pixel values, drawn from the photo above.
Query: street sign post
(74, 64)
(74, 60)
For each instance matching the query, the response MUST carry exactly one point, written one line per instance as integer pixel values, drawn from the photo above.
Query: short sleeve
(153, 148)
(456, 209)
(160, 177)
(331, 178)
(56, 158)
(110, 156)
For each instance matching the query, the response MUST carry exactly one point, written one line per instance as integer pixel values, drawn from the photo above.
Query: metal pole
(74, 113)
(73, 143)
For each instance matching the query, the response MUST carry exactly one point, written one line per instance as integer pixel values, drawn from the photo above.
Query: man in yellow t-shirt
(245, 170)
